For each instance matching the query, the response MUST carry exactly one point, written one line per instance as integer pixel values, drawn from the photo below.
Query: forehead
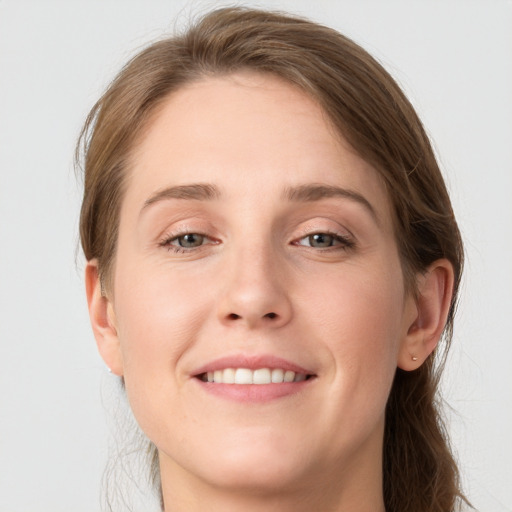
(247, 133)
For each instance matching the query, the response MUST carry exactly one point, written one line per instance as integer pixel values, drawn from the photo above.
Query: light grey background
(454, 59)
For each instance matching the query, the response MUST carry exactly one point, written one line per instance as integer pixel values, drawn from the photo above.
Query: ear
(103, 321)
(428, 314)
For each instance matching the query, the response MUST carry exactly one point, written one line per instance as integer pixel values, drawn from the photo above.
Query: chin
(256, 464)
(257, 474)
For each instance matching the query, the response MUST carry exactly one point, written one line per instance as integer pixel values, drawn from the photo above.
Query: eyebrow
(197, 191)
(301, 193)
(317, 192)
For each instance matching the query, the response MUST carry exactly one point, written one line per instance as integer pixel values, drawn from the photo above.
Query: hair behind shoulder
(371, 112)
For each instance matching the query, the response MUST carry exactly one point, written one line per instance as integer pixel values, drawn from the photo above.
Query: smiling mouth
(247, 376)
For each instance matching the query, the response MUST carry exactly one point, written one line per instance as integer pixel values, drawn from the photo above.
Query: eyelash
(345, 242)
(171, 237)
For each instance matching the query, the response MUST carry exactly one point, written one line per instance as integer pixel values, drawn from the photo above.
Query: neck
(302, 501)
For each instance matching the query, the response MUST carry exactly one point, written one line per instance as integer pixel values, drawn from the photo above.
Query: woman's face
(255, 245)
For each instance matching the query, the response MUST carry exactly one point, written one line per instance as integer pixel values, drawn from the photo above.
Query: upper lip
(251, 362)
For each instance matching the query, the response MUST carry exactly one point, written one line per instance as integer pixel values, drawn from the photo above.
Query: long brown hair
(368, 108)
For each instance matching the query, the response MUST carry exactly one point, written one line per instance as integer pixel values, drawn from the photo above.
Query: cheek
(361, 306)
(158, 313)
(358, 317)
(159, 317)
(359, 323)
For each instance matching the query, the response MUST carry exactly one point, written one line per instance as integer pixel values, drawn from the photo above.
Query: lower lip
(254, 393)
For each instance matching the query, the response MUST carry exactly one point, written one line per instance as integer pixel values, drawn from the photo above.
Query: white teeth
(242, 376)
(228, 376)
(277, 375)
(259, 376)
(289, 376)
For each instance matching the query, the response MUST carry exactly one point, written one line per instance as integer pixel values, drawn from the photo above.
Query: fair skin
(277, 252)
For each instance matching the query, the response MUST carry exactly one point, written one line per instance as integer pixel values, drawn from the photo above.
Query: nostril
(235, 316)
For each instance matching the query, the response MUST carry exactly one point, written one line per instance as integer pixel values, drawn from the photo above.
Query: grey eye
(321, 240)
(190, 240)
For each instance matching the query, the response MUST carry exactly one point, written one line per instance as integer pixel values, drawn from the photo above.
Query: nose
(255, 292)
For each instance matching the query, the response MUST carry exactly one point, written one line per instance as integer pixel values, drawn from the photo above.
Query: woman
(272, 261)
